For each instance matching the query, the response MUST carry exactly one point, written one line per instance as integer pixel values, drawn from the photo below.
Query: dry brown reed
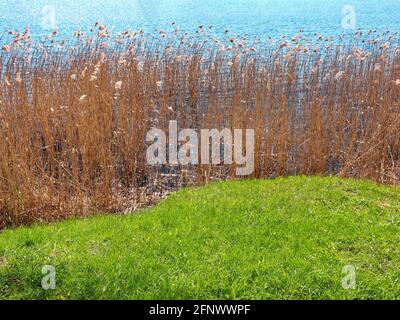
(73, 118)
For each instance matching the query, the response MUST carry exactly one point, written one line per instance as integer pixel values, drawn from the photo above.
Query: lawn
(287, 238)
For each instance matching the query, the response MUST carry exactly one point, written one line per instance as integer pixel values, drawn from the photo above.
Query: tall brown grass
(73, 118)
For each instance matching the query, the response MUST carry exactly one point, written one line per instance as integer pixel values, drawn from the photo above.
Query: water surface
(254, 17)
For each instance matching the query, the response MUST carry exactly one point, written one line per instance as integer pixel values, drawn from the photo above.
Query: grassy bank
(283, 238)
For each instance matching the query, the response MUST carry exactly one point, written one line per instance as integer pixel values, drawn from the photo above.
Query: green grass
(287, 238)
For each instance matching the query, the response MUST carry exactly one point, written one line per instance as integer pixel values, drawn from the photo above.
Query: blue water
(253, 17)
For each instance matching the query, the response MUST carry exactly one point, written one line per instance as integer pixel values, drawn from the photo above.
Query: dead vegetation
(73, 118)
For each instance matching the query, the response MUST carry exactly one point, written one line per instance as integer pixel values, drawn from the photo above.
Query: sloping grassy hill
(283, 238)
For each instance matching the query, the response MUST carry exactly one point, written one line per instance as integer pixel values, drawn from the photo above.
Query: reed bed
(74, 114)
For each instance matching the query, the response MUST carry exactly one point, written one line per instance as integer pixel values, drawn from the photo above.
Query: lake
(260, 18)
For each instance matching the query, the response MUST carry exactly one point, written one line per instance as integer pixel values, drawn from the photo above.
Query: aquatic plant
(74, 113)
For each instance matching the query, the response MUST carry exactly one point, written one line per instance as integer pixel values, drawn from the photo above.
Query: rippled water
(254, 17)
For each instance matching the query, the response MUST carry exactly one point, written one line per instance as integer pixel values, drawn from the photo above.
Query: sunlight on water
(254, 17)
